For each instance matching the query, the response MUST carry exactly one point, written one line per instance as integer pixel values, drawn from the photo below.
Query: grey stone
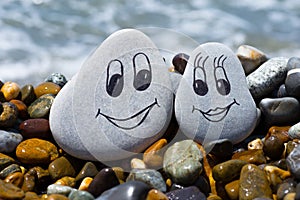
(40, 108)
(294, 131)
(80, 195)
(267, 77)
(57, 78)
(118, 104)
(149, 176)
(292, 83)
(281, 91)
(280, 111)
(293, 63)
(59, 189)
(286, 187)
(9, 141)
(191, 192)
(293, 162)
(182, 162)
(250, 57)
(213, 101)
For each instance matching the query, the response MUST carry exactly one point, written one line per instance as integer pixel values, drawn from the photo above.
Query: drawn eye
(115, 81)
(199, 82)
(222, 82)
(142, 79)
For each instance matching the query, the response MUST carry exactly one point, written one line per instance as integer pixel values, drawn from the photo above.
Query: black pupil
(115, 85)
(223, 86)
(200, 87)
(142, 80)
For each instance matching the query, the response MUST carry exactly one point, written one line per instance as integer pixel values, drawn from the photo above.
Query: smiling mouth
(217, 114)
(121, 123)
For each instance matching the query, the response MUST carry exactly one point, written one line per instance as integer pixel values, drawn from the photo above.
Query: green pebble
(80, 195)
(40, 108)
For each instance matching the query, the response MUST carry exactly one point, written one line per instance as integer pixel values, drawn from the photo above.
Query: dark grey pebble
(293, 162)
(57, 78)
(188, 193)
(293, 63)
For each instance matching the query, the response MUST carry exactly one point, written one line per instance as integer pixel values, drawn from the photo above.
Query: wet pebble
(250, 57)
(103, 181)
(9, 170)
(156, 195)
(67, 181)
(228, 170)
(255, 156)
(9, 115)
(179, 62)
(21, 107)
(285, 188)
(253, 183)
(293, 162)
(273, 147)
(137, 164)
(153, 156)
(46, 88)
(80, 195)
(15, 178)
(182, 162)
(132, 190)
(280, 111)
(281, 132)
(30, 178)
(292, 82)
(10, 90)
(281, 92)
(28, 95)
(31, 196)
(57, 78)
(255, 144)
(149, 176)
(35, 128)
(36, 151)
(276, 175)
(88, 170)
(61, 167)
(232, 189)
(191, 193)
(9, 141)
(59, 189)
(40, 108)
(85, 183)
(10, 191)
(57, 197)
(294, 131)
(5, 161)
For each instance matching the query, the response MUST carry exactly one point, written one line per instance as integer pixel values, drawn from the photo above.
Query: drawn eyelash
(217, 64)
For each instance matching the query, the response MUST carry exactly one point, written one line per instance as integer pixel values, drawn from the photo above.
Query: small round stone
(88, 170)
(5, 161)
(290, 145)
(255, 144)
(292, 82)
(35, 128)
(232, 189)
(180, 61)
(293, 63)
(80, 195)
(153, 156)
(119, 173)
(9, 115)
(294, 131)
(149, 176)
(36, 151)
(84, 185)
(255, 156)
(22, 108)
(57, 78)
(10, 191)
(10, 90)
(276, 175)
(190, 192)
(59, 189)
(156, 195)
(31, 196)
(46, 88)
(61, 167)
(40, 108)
(285, 188)
(281, 91)
(281, 132)
(182, 162)
(273, 147)
(15, 178)
(30, 178)
(9, 141)
(28, 95)
(57, 197)
(9, 170)
(67, 181)
(293, 162)
(137, 164)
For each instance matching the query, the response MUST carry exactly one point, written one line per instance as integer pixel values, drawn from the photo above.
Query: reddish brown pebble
(22, 108)
(36, 151)
(10, 90)
(15, 178)
(280, 131)
(46, 88)
(61, 167)
(232, 189)
(66, 181)
(254, 156)
(35, 128)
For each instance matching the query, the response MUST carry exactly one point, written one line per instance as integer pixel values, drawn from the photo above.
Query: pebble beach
(265, 165)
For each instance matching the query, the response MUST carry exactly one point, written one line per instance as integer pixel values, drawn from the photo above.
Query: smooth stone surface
(21, 107)
(280, 111)
(10, 90)
(67, 181)
(28, 95)
(88, 170)
(156, 195)
(57, 197)
(285, 188)
(30, 178)
(269, 76)
(191, 193)
(281, 132)
(35, 128)
(57, 78)
(232, 189)
(255, 144)
(36, 151)
(5, 160)
(228, 171)
(293, 162)
(85, 183)
(59, 189)
(104, 180)
(250, 57)
(255, 156)
(61, 167)
(132, 190)
(290, 147)
(9, 141)
(276, 175)
(149, 176)
(273, 147)
(293, 63)
(281, 91)
(46, 88)
(80, 195)
(122, 104)
(253, 183)
(31, 196)
(182, 162)
(15, 178)
(136, 163)
(219, 99)
(292, 82)
(294, 131)
(40, 108)
(9, 115)
(9, 191)
(153, 156)
(180, 61)
(9, 170)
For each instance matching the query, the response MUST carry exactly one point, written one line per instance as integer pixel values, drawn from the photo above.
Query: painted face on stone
(213, 101)
(127, 99)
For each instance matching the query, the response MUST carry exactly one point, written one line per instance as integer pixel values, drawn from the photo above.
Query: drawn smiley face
(212, 100)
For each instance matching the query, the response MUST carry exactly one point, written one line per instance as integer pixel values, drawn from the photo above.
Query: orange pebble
(10, 90)
(22, 108)
(46, 88)
(153, 156)
(156, 195)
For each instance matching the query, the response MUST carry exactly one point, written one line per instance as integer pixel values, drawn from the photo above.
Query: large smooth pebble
(9, 141)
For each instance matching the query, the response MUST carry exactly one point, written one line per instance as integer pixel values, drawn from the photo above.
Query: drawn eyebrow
(218, 63)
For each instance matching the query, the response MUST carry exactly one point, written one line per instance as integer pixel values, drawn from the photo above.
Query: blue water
(38, 37)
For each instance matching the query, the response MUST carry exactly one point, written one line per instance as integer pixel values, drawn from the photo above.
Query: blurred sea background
(39, 37)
